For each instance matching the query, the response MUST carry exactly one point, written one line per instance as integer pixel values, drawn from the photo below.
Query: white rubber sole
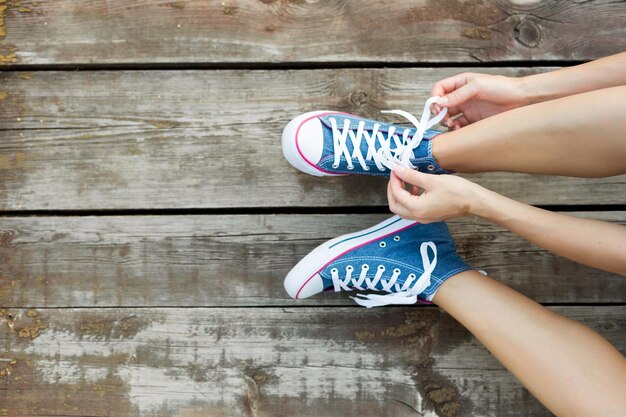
(304, 280)
(290, 145)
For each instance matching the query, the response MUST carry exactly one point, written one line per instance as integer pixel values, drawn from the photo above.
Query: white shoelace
(405, 294)
(385, 156)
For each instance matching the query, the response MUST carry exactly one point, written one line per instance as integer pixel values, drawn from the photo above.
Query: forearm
(580, 135)
(572, 370)
(595, 75)
(591, 242)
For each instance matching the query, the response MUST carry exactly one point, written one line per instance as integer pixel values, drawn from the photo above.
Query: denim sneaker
(333, 143)
(403, 258)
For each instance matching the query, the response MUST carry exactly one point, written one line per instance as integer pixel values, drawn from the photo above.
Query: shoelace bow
(401, 154)
(399, 294)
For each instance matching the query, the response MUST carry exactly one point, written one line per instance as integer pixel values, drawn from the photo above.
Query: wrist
(542, 87)
(482, 202)
(531, 90)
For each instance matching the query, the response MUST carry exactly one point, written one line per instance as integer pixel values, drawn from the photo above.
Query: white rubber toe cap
(303, 142)
(299, 287)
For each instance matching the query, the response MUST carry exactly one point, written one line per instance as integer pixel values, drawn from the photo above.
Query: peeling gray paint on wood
(260, 361)
(95, 140)
(293, 31)
(240, 260)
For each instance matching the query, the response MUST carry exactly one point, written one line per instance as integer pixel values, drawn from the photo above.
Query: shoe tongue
(354, 122)
(369, 126)
(328, 284)
(422, 151)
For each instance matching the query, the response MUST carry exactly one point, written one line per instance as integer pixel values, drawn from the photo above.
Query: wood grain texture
(209, 139)
(240, 260)
(260, 362)
(186, 315)
(286, 31)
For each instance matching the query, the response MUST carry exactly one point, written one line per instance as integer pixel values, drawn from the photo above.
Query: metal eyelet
(350, 167)
(349, 268)
(335, 166)
(381, 169)
(412, 276)
(381, 267)
(396, 271)
(365, 267)
(334, 270)
(430, 167)
(366, 168)
(396, 238)
(382, 244)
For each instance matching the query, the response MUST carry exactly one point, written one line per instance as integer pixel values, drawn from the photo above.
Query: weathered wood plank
(260, 362)
(203, 31)
(240, 260)
(180, 139)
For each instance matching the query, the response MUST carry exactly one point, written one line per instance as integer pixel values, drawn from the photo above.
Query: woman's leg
(569, 368)
(581, 135)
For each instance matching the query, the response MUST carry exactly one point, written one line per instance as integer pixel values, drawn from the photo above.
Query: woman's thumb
(412, 176)
(460, 96)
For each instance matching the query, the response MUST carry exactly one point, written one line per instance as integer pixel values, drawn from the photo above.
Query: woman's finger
(394, 206)
(401, 197)
(462, 121)
(460, 96)
(449, 84)
(413, 177)
(448, 119)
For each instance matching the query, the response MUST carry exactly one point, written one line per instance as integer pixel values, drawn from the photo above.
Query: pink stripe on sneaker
(298, 146)
(351, 249)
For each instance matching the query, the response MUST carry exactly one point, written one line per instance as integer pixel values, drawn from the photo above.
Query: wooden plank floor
(147, 216)
(277, 31)
(166, 137)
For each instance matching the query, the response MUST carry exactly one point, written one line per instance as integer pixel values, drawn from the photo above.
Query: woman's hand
(443, 196)
(590, 242)
(471, 97)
